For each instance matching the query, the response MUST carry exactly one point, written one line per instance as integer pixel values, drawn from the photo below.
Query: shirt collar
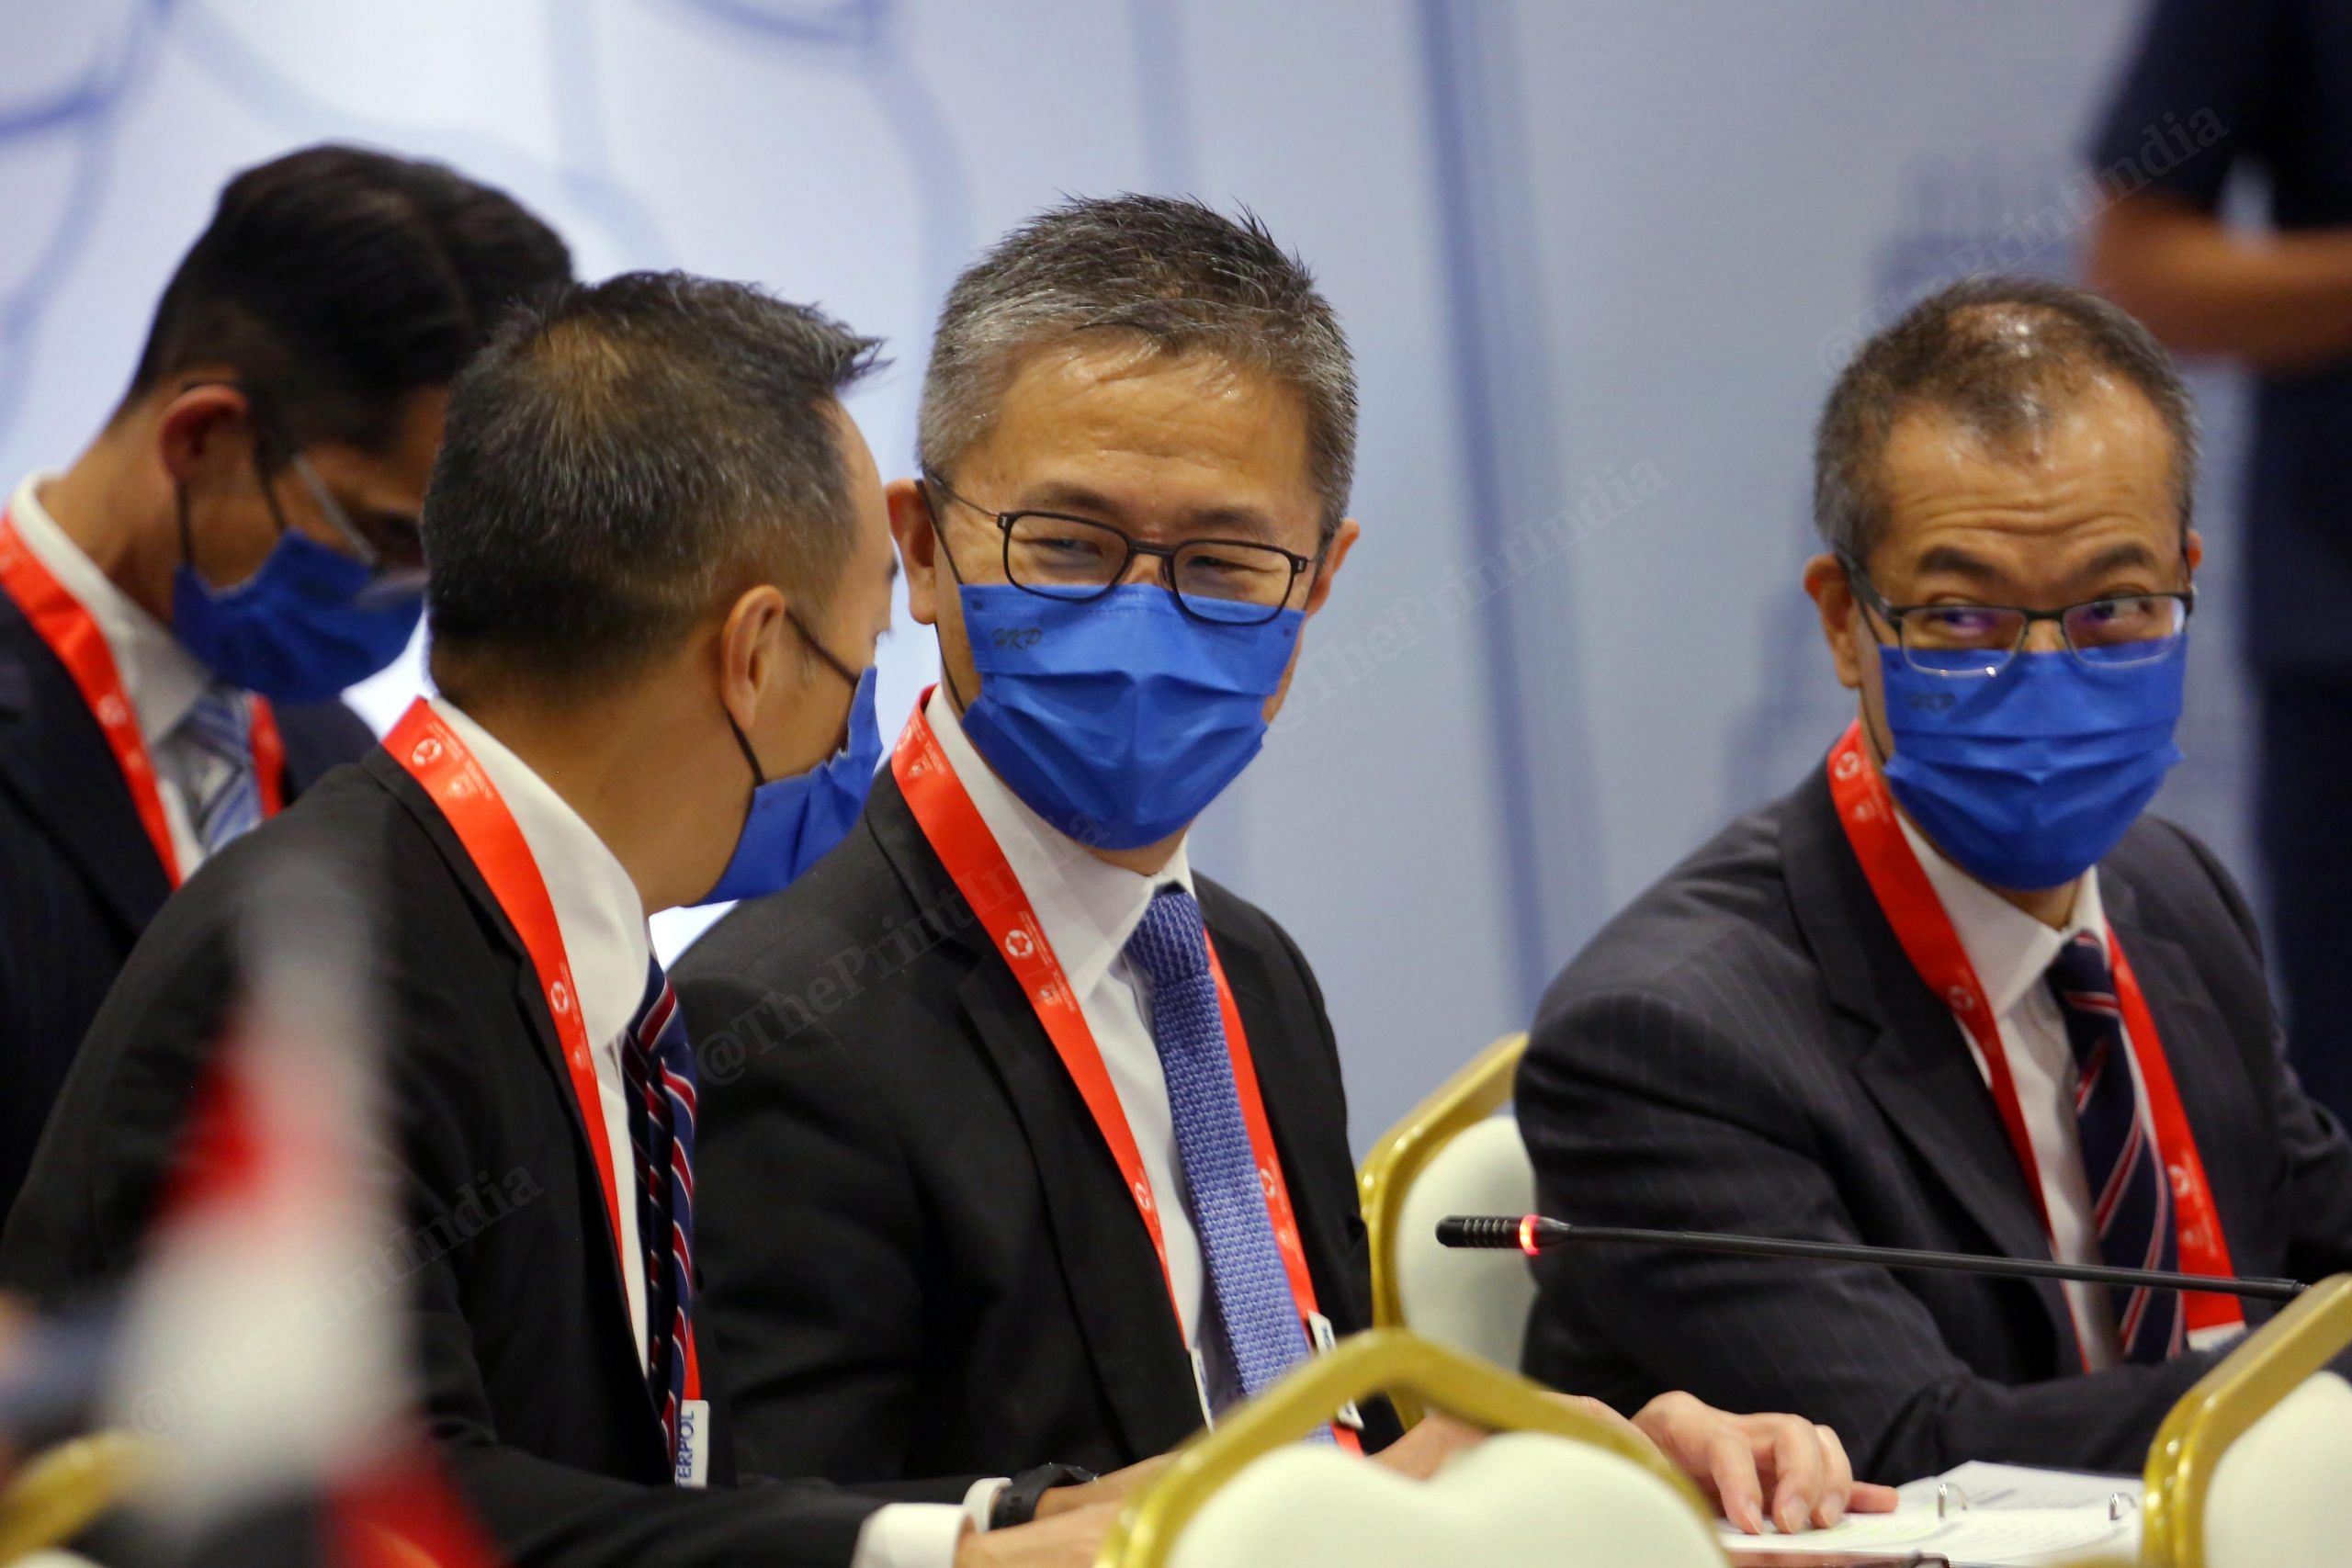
(597, 907)
(2010, 950)
(161, 678)
(1086, 907)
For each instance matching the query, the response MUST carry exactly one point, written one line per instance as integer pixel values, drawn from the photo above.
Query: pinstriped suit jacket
(1746, 1048)
(78, 879)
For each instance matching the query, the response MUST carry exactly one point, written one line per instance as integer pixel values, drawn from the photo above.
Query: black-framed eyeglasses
(1974, 641)
(1229, 582)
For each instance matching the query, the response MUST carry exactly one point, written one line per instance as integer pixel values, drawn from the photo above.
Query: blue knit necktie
(1220, 1172)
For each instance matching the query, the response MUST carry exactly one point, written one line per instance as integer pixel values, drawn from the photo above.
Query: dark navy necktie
(1220, 1171)
(658, 1074)
(2130, 1197)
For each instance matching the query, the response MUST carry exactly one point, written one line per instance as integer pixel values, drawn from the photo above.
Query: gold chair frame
(61, 1490)
(1477, 1090)
(1383, 1360)
(2224, 1404)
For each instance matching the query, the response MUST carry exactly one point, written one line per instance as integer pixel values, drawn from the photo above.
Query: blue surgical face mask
(1118, 718)
(795, 822)
(310, 622)
(307, 625)
(2027, 777)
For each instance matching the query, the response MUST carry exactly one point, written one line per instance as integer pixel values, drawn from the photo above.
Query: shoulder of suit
(850, 899)
(2174, 879)
(1725, 907)
(353, 825)
(330, 727)
(1223, 910)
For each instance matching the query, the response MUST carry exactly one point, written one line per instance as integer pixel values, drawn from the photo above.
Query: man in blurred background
(2273, 81)
(662, 561)
(180, 608)
(1033, 1145)
(1954, 992)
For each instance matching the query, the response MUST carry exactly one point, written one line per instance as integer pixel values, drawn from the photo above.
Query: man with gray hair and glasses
(1029, 1151)
(1955, 991)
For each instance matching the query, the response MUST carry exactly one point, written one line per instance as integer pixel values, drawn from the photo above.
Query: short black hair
(623, 458)
(337, 281)
(2003, 356)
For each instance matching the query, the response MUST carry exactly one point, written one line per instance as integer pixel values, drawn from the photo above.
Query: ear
(1334, 556)
(2193, 549)
(1841, 619)
(204, 430)
(918, 540)
(754, 657)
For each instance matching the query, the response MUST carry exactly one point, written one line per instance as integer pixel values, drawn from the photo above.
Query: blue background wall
(1599, 262)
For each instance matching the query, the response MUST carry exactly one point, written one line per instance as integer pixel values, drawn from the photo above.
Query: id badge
(1318, 1329)
(693, 1443)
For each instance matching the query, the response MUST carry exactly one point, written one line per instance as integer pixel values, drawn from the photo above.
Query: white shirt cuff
(980, 1503)
(911, 1535)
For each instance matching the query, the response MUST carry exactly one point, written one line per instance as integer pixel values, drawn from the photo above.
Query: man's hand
(1739, 1460)
(1068, 1540)
(1419, 1453)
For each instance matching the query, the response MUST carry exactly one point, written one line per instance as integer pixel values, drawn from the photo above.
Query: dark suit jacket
(531, 1378)
(1746, 1048)
(78, 879)
(921, 1258)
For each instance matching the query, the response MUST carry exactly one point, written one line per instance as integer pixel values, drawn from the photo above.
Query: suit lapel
(531, 1002)
(55, 760)
(1132, 1335)
(1917, 1067)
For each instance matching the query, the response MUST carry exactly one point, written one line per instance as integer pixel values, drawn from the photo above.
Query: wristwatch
(1017, 1504)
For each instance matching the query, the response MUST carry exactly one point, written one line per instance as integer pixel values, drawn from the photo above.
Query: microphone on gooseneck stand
(1532, 1233)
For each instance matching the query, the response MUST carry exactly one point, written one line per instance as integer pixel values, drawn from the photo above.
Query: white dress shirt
(162, 679)
(2011, 951)
(1088, 908)
(602, 919)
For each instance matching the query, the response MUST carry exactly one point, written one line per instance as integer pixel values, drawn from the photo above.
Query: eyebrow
(1063, 496)
(1952, 561)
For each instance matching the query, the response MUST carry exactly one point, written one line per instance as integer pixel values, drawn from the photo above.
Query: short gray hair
(2003, 356)
(1178, 274)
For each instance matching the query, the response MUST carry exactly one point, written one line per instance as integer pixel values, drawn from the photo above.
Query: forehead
(1119, 410)
(2099, 468)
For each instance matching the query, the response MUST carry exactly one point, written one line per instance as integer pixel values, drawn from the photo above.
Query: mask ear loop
(1881, 750)
(759, 775)
(930, 505)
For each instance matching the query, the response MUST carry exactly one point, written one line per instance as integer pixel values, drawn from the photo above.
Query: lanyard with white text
(62, 621)
(1866, 811)
(439, 761)
(964, 846)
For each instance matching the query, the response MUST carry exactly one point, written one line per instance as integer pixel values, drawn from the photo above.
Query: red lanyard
(1866, 812)
(439, 761)
(73, 635)
(964, 844)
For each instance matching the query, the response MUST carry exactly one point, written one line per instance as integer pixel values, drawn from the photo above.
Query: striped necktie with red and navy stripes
(2130, 1197)
(658, 1070)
